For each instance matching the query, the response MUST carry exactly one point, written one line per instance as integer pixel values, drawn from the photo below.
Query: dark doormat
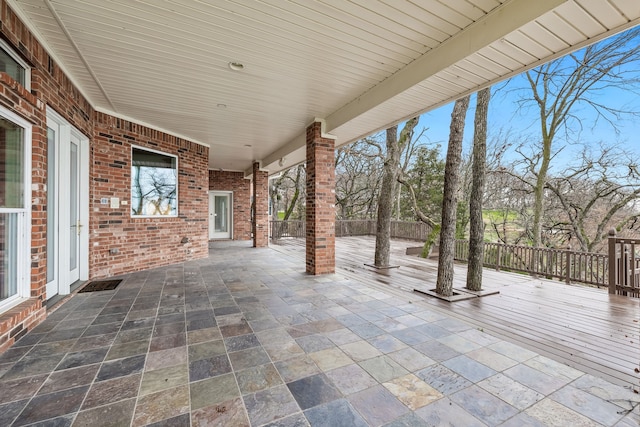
(101, 285)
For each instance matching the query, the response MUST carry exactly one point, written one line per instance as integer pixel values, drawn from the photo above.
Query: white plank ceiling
(359, 65)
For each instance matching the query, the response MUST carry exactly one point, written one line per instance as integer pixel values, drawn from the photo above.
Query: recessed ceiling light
(221, 105)
(248, 145)
(236, 66)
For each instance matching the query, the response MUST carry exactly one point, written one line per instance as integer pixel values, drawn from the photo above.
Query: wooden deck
(582, 327)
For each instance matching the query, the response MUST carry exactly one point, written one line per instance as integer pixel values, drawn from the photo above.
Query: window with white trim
(154, 183)
(12, 64)
(15, 169)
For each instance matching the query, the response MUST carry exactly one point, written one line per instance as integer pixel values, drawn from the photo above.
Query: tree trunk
(385, 201)
(391, 170)
(444, 283)
(296, 194)
(538, 191)
(476, 232)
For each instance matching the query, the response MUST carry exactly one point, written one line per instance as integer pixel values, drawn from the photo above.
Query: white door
(67, 206)
(219, 215)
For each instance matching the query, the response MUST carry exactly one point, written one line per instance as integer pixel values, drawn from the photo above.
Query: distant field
(500, 217)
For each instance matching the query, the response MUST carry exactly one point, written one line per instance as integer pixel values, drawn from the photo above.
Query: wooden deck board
(580, 326)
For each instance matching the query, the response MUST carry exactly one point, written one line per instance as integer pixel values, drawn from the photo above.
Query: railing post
(612, 261)
(568, 266)
(632, 268)
(498, 246)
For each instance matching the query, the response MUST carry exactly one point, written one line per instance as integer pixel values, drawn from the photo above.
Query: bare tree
(358, 172)
(410, 150)
(558, 87)
(509, 206)
(391, 170)
(598, 191)
(444, 283)
(287, 192)
(154, 190)
(476, 232)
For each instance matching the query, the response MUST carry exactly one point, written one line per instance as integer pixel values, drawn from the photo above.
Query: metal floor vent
(101, 285)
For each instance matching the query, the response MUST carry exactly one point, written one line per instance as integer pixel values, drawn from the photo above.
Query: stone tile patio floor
(246, 338)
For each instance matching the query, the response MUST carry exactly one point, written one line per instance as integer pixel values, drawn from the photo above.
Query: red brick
(240, 188)
(261, 207)
(140, 247)
(320, 208)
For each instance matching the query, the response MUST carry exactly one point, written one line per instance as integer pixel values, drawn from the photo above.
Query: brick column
(260, 207)
(320, 207)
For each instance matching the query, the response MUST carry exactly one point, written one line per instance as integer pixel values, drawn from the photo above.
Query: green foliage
(502, 225)
(431, 239)
(462, 219)
(426, 176)
(498, 215)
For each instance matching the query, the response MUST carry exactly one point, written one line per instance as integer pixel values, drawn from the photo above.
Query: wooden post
(498, 246)
(632, 268)
(612, 261)
(568, 265)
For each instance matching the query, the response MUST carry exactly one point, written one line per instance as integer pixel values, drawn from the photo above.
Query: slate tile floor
(245, 338)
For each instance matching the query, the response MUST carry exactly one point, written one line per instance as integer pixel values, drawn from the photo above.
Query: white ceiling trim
(52, 52)
(75, 47)
(503, 20)
(362, 65)
(150, 126)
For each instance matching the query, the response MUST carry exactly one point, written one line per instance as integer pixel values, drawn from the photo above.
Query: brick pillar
(260, 207)
(320, 207)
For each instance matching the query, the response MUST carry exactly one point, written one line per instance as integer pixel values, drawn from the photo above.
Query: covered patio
(578, 325)
(219, 96)
(246, 337)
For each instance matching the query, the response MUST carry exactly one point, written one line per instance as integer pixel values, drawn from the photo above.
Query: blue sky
(505, 117)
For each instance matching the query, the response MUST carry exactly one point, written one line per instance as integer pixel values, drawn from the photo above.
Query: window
(14, 215)
(13, 65)
(154, 183)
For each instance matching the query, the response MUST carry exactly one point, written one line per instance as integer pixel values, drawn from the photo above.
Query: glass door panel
(8, 255)
(13, 211)
(73, 207)
(221, 208)
(220, 215)
(66, 204)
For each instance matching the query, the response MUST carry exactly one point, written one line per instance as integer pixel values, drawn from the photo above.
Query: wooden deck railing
(353, 227)
(284, 229)
(563, 264)
(624, 266)
(619, 269)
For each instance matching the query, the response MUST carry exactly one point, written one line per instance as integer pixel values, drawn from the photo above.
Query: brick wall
(320, 208)
(261, 207)
(241, 199)
(143, 243)
(48, 85)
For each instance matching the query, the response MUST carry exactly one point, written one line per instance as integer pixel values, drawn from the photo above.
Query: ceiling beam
(503, 20)
(286, 150)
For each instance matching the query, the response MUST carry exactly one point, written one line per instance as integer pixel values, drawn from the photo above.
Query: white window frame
(162, 153)
(23, 290)
(27, 68)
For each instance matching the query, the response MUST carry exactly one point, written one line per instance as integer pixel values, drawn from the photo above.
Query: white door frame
(212, 233)
(65, 135)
